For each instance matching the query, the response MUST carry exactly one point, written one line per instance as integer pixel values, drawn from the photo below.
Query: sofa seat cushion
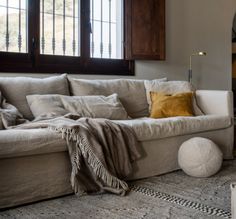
(150, 129)
(15, 143)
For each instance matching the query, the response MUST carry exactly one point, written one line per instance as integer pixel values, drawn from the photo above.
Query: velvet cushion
(164, 105)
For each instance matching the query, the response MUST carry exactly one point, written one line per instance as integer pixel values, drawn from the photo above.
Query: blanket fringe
(83, 148)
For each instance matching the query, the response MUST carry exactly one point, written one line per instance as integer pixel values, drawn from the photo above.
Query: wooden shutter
(145, 29)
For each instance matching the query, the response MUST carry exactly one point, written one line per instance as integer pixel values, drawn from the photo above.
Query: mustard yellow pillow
(164, 105)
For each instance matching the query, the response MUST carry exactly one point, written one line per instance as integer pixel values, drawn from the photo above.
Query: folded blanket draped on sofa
(101, 151)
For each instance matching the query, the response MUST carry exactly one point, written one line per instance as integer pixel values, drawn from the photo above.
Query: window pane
(13, 23)
(59, 27)
(107, 29)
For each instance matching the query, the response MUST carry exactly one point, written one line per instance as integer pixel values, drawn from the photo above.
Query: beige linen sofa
(34, 164)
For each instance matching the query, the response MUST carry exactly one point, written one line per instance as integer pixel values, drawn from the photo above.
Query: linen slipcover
(130, 92)
(14, 143)
(15, 90)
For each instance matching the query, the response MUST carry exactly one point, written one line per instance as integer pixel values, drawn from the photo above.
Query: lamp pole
(190, 72)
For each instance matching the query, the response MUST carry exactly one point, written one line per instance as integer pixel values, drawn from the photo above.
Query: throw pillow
(85, 106)
(15, 90)
(171, 87)
(9, 114)
(131, 92)
(165, 105)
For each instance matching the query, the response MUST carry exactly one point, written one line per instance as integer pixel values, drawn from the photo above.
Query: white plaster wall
(191, 25)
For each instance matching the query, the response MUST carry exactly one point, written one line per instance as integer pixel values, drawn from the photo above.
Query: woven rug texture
(171, 196)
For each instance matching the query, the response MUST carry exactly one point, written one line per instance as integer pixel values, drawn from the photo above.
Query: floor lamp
(190, 73)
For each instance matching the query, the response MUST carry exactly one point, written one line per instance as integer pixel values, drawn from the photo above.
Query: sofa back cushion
(130, 92)
(15, 90)
(43, 106)
(171, 87)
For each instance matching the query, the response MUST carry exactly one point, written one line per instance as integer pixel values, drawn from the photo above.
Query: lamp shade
(202, 53)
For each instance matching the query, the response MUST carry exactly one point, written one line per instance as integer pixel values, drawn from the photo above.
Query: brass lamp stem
(190, 64)
(190, 70)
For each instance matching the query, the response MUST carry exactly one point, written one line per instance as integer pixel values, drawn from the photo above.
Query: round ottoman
(200, 157)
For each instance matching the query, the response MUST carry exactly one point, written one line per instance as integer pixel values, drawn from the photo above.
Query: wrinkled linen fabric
(9, 114)
(92, 106)
(15, 90)
(23, 142)
(147, 129)
(131, 92)
(101, 151)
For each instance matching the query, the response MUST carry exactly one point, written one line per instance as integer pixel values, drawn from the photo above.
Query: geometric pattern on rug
(212, 211)
(179, 193)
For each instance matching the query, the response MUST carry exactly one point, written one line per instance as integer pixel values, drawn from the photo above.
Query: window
(107, 29)
(13, 23)
(59, 27)
(74, 36)
(80, 36)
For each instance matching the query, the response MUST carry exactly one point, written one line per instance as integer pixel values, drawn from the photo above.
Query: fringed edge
(98, 167)
(70, 134)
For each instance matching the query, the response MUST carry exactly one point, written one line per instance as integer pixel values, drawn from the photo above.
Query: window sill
(57, 64)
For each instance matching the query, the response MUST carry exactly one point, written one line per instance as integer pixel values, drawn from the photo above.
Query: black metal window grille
(13, 26)
(60, 27)
(55, 36)
(106, 24)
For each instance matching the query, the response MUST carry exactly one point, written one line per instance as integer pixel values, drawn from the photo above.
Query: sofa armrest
(215, 102)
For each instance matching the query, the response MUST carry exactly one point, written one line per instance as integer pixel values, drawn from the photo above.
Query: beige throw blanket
(101, 152)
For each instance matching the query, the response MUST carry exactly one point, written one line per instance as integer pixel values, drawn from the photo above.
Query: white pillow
(171, 87)
(86, 106)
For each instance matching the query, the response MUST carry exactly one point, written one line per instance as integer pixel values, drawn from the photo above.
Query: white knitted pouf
(200, 157)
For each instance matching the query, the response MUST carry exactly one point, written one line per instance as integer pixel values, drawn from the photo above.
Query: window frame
(34, 62)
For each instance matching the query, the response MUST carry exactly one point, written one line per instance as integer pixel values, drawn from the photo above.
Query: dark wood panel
(234, 66)
(34, 62)
(70, 65)
(145, 29)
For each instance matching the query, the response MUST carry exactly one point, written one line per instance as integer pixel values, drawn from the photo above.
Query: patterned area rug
(174, 195)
